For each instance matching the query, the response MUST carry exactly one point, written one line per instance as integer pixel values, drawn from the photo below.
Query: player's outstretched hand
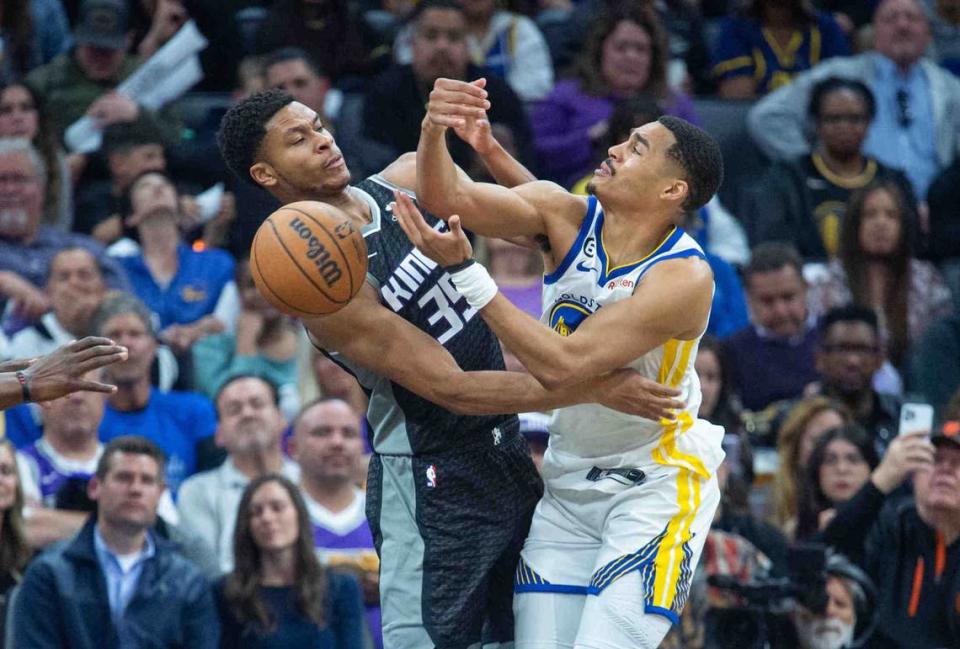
(634, 394)
(62, 371)
(453, 102)
(445, 248)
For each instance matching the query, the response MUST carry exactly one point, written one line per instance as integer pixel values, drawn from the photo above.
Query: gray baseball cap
(103, 23)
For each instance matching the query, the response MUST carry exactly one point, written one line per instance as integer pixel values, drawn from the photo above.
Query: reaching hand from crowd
(906, 454)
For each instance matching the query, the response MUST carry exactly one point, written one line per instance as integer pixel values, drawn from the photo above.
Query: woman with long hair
(22, 115)
(803, 426)
(877, 269)
(625, 54)
(839, 465)
(279, 595)
(14, 550)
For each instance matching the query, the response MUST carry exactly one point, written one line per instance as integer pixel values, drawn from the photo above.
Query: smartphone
(916, 416)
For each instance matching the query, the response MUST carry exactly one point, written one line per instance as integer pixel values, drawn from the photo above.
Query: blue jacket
(63, 603)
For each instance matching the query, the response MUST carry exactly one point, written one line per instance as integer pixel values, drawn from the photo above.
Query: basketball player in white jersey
(628, 501)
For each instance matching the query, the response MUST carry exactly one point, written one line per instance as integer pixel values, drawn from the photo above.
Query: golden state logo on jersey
(566, 315)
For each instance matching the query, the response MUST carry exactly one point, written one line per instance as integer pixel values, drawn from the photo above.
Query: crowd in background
(230, 461)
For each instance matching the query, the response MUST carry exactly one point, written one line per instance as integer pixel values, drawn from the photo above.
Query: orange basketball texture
(308, 259)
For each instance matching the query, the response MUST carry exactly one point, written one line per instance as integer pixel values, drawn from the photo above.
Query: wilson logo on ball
(317, 253)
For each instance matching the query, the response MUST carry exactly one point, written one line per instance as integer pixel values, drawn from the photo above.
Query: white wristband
(475, 284)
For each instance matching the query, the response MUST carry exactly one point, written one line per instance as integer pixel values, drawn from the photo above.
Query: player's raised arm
(374, 337)
(487, 209)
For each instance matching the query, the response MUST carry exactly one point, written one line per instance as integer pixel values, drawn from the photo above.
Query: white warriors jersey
(581, 285)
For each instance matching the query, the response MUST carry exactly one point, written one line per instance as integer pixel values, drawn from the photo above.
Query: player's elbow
(557, 376)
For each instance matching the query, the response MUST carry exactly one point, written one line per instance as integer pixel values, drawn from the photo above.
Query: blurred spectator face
(300, 155)
(625, 61)
(154, 195)
(250, 297)
(8, 478)
(843, 471)
(100, 63)
(249, 419)
(814, 430)
(21, 195)
(843, 122)
(18, 113)
(126, 165)
(778, 301)
(333, 380)
(75, 285)
(273, 518)
(327, 442)
(440, 46)
(937, 488)
(848, 356)
(141, 348)
(881, 225)
(75, 417)
(128, 494)
(834, 629)
(708, 369)
(298, 79)
(901, 31)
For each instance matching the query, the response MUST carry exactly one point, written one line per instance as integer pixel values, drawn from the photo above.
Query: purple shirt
(561, 120)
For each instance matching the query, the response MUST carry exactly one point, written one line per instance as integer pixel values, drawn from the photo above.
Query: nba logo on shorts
(432, 475)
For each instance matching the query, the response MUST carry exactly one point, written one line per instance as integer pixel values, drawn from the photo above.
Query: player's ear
(263, 174)
(677, 191)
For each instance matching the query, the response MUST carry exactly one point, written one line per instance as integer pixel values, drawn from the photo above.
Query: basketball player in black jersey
(451, 487)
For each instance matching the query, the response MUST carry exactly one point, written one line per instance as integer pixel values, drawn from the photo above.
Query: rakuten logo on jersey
(620, 283)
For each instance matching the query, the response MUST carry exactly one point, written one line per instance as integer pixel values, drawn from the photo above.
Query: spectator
(909, 547)
(117, 584)
(249, 428)
(181, 423)
(877, 268)
(328, 447)
(847, 619)
(291, 69)
(279, 595)
(804, 200)
(624, 55)
(719, 404)
(27, 246)
(767, 43)
(773, 357)
(191, 292)
(804, 425)
(848, 358)
(396, 100)
(33, 32)
(916, 127)
(510, 46)
(83, 81)
(14, 550)
(75, 288)
(839, 465)
(264, 343)
(22, 115)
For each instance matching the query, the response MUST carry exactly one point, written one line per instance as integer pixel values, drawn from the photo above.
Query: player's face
(273, 518)
(843, 122)
(849, 355)
(301, 160)
(638, 170)
(328, 445)
(901, 31)
(778, 301)
(880, 226)
(626, 56)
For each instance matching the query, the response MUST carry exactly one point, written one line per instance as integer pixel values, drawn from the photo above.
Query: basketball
(308, 259)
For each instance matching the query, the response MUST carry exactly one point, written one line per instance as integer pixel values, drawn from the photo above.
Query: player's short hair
(835, 84)
(285, 54)
(131, 445)
(698, 154)
(770, 256)
(243, 128)
(849, 313)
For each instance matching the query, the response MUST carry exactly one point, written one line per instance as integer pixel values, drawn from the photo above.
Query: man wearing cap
(82, 81)
(910, 547)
